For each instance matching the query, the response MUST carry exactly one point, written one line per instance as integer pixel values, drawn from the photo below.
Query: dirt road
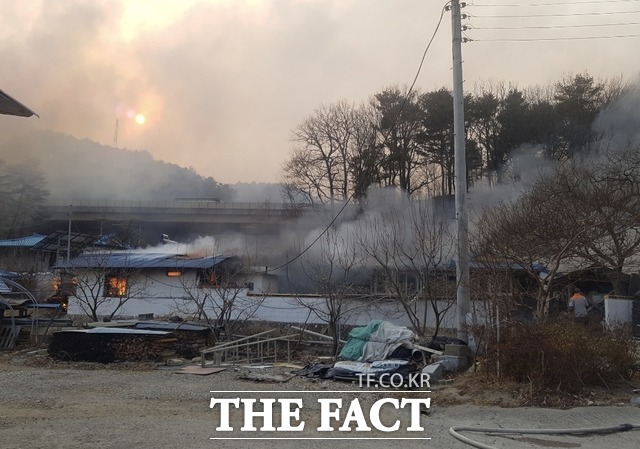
(94, 406)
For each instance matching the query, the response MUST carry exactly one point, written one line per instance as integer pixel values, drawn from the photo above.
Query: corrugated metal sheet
(114, 331)
(169, 326)
(138, 260)
(60, 239)
(8, 274)
(22, 242)
(151, 325)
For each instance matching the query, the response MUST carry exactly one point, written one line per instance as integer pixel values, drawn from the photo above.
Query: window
(408, 282)
(405, 282)
(379, 284)
(115, 286)
(210, 277)
(218, 277)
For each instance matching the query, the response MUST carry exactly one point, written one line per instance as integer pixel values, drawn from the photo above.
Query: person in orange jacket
(578, 304)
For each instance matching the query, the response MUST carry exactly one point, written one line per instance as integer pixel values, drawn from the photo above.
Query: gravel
(45, 404)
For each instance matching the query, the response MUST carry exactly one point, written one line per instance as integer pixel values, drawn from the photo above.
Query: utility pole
(462, 220)
(115, 136)
(69, 236)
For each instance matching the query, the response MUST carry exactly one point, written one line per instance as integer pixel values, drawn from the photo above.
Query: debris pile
(379, 348)
(190, 337)
(107, 342)
(106, 345)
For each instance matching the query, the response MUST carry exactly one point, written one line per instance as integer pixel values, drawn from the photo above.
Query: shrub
(565, 355)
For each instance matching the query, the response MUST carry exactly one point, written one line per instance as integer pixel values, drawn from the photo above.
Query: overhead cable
(572, 14)
(531, 27)
(588, 2)
(535, 39)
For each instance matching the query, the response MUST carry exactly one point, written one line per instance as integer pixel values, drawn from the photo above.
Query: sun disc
(140, 119)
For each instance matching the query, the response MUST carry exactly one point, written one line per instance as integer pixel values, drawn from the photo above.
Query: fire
(117, 286)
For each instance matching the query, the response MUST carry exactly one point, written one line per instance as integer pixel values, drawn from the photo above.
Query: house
(37, 253)
(139, 282)
(135, 283)
(17, 255)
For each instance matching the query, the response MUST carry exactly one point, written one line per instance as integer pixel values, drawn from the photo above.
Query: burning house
(119, 284)
(110, 283)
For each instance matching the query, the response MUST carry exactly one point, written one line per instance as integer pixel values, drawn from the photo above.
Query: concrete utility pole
(69, 236)
(462, 220)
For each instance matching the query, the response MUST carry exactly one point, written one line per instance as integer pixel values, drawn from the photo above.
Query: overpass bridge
(188, 216)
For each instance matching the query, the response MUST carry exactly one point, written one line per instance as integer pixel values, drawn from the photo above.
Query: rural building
(140, 283)
(18, 255)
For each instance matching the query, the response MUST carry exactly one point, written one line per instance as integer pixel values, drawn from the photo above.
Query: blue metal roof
(22, 242)
(139, 260)
(8, 274)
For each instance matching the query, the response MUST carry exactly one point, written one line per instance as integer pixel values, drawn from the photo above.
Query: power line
(424, 54)
(572, 14)
(547, 27)
(404, 102)
(592, 2)
(530, 27)
(535, 39)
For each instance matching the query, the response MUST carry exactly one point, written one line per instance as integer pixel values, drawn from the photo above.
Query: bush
(564, 356)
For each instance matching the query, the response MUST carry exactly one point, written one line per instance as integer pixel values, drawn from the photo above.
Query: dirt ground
(47, 404)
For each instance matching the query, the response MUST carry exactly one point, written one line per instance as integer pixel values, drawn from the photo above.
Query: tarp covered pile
(376, 341)
(377, 349)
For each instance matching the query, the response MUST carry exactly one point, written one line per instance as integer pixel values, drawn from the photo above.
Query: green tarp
(358, 338)
(376, 341)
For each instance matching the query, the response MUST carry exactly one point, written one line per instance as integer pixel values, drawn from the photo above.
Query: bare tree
(410, 246)
(319, 166)
(538, 232)
(335, 273)
(605, 193)
(102, 289)
(220, 296)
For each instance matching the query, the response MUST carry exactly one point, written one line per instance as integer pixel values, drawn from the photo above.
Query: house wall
(154, 291)
(24, 260)
(166, 296)
(264, 283)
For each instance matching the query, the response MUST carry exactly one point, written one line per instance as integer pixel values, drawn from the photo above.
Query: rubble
(434, 370)
(451, 362)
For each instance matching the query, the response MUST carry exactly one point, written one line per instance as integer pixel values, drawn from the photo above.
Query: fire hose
(454, 431)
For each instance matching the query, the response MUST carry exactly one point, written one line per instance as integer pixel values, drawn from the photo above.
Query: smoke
(83, 170)
(206, 246)
(221, 83)
(389, 211)
(385, 210)
(526, 165)
(203, 247)
(256, 193)
(619, 122)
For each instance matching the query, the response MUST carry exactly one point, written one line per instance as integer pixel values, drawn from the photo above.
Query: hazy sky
(221, 83)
